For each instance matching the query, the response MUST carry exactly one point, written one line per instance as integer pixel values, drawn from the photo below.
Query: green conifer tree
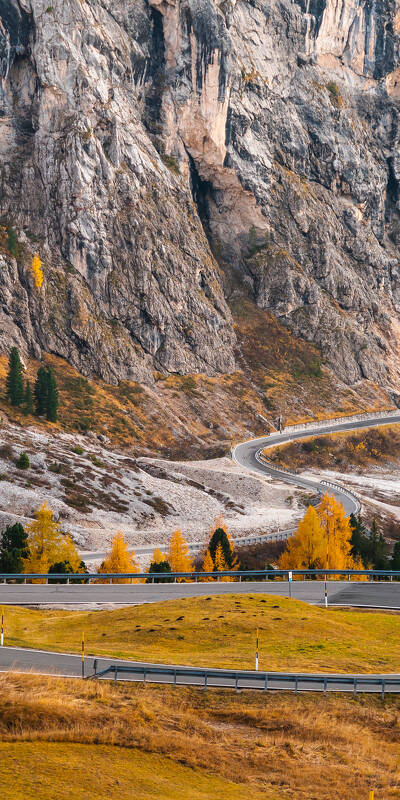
(41, 391)
(52, 396)
(14, 380)
(28, 399)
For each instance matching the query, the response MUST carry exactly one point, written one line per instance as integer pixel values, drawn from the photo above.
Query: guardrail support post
(95, 667)
(296, 683)
(205, 681)
(144, 677)
(383, 690)
(236, 683)
(175, 677)
(355, 687)
(266, 683)
(115, 672)
(325, 685)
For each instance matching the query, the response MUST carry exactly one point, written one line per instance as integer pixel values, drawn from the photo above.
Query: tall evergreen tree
(220, 537)
(52, 396)
(14, 380)
(28, 399)
(41, 392)
(13, 548)
(395, 561)
(360, 542)
(377, 548)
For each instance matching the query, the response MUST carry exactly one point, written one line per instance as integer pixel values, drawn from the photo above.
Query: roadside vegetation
(219, 631)
(111, 740)
(342, 450)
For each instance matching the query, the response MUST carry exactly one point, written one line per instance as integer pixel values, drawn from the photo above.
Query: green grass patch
(220, 632)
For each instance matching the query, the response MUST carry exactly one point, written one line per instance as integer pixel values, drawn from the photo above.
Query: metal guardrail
(347, 492)
(263, 574)
(240, 679)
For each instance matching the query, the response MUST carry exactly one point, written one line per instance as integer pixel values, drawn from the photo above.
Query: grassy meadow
(78, 739)
(220, 632)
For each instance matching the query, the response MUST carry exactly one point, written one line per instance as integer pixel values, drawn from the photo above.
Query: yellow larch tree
(119, 559)
(337, 532)
(208, 566)
(178, 553)
(307, 547)
(47, 544)
(158, 556)
(220, 564)
(322, 540)
(36, 270)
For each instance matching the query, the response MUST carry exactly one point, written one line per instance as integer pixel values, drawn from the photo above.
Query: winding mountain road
(249, 456)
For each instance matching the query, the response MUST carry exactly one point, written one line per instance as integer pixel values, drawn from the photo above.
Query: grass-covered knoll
(75, 771)
(78, 739)
(220, 632)
(361, 448)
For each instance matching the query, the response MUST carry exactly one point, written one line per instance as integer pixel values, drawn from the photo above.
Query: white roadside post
(290, 578)
(326, 595)
(257, 651)
(2, 628)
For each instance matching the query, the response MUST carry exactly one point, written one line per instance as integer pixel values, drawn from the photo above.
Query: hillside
(153, 153)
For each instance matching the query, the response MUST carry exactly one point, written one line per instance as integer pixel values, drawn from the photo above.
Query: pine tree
(41, 392)
(119, 559)
(395, 561)
(47, 544)
(220, 535)
(14, 380)
(28, 399)
(52, 396)
(13, 549)
(178, 553)
(157, 568)
(377, 548)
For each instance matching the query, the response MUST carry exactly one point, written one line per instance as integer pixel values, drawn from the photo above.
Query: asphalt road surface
(362, 594)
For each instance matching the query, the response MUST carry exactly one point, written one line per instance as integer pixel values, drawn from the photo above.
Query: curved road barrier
(69, 665)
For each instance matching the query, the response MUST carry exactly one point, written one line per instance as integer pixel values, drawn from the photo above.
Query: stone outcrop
(140, 139)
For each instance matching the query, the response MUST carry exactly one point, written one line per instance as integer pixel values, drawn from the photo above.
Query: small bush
(78, 450)
(96, 461)
(23, 461)
(6, 451)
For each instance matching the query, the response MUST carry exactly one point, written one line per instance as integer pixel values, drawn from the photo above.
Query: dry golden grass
(230, 745)
(361, 448)
(220, 632)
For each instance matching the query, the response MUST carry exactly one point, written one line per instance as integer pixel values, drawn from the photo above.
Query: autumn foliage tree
(37, 272)
(208, 566)
(178, 553)
(307, 548)
(119, 559)
(48, 545)
(219, 537)
(322, 539)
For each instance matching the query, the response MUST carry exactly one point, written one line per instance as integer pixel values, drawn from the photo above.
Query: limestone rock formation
(142, 139)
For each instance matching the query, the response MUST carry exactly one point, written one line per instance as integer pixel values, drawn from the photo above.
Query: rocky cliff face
(139, 137)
